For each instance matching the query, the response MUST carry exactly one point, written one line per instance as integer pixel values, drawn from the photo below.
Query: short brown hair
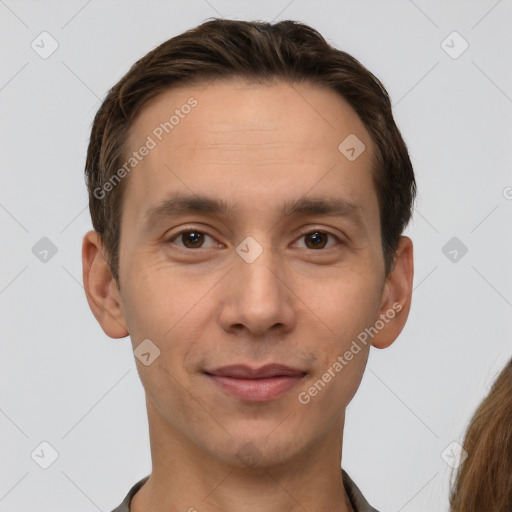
(257, 51)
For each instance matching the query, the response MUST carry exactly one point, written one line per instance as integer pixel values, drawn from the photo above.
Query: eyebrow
(321, 205)
(325, 206)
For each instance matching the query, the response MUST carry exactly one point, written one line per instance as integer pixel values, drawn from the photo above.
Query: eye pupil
(317, 239)
(192, 239)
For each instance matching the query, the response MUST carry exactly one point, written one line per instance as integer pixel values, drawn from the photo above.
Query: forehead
(249, 141)
(239, 108)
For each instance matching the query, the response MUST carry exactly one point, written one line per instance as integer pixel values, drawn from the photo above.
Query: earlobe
(101, 289)
(396, 297)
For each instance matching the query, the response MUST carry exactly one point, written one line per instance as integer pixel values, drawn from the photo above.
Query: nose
(258, 299)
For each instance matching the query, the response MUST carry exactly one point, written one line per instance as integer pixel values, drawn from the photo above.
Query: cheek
(174, 313)
(171, 316)
(345, 308)
(157, 300)
(347, 303)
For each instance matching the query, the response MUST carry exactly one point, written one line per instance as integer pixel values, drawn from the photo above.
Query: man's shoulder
(125, 505)
(358, 501)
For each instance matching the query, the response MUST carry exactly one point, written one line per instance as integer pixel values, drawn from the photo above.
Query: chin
(258, 450)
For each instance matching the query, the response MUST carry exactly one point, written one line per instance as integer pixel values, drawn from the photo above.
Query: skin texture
(255, 147)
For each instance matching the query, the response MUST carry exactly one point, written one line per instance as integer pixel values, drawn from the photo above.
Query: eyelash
(176, 236)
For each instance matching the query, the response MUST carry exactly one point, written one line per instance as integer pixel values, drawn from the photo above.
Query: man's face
(297, 293)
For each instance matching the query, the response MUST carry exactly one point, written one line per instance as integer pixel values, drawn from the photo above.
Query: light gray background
(63, 381)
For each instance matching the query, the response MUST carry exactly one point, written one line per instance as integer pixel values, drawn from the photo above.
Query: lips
(264, 372)
(256, 384)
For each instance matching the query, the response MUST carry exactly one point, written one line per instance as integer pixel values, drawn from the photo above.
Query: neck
(187, 478)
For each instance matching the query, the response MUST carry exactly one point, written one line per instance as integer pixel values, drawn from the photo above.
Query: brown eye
(316, 240)
(192, 239)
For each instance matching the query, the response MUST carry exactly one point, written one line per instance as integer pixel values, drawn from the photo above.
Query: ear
(101, 289)
(396, 296)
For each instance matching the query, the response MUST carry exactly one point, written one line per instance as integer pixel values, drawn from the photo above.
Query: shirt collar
(357, 500)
